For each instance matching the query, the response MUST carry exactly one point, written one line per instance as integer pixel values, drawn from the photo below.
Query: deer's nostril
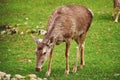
(37, 69)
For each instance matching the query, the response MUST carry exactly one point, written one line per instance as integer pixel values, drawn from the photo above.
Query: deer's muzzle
(38, 69)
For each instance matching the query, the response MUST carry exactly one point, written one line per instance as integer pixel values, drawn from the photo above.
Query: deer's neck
(51, 37)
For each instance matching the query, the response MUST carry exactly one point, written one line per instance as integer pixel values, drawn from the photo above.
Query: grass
(102, 48)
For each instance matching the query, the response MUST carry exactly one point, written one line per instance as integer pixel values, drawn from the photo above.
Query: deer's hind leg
(80, 51)
(82, 55)
(117, 16)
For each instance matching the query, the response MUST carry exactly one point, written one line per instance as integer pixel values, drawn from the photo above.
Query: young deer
(66, 23)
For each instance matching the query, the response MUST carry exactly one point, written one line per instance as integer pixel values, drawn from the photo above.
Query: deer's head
(42, 52)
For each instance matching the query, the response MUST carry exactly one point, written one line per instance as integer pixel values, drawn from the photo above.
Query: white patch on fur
(40, 40)
(91, 11)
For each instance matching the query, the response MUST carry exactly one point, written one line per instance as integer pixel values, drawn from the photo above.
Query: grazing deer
(66, 23)
(116, 11)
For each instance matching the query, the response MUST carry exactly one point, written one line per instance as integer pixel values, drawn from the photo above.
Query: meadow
(102, 47)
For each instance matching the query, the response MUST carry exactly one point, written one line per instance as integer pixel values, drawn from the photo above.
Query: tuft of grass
(102, 46)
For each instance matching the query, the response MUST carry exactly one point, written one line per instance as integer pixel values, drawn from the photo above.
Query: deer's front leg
(67, 57)
(49, 65)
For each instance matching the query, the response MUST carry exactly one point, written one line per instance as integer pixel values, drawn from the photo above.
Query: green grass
(102, 48)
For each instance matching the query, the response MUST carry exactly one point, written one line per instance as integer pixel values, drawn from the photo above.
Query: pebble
(18, 76)
(44, 78)
(39, 78)
(28, 31)
(116, 74)
(26, 18)
(7, 77)
(13, 79)
(22, 33)
(31, 76)
(33, 79)
(37, 27)
(8, 27)
(3, 32)
(25, 23)
(40, 40)
(42, 32)
(18, 25)
(4, 76)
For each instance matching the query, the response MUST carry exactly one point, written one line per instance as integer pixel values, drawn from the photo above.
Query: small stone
(8, 27)
(2, 74)
(29, 60)
(116, 74)
(44, 78)
(37, 27)
(40, 22)
(42, 32)
(77, 47)
(33, 79)
(12, 31)
(25, 23)
(8, 32)
(31, 76)
(28, 31)
(26, 18)
(22, 33)
(3, 32)
(18, 25)
(39, 78)
(40, 40)
(7, 77)
(18, 76)
(13, 79)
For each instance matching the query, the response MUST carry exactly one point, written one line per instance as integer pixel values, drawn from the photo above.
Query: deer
(116, 11)
(66, 23)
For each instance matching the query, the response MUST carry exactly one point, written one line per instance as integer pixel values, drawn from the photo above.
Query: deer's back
(69, 21)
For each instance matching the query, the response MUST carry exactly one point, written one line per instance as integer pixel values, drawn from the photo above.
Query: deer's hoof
(81, 66)
(74, 69)
(116, 21)
(47, 73)
(67, 72)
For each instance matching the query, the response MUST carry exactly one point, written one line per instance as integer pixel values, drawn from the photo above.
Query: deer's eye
(42, 61)
(44, 53)
(47, 44)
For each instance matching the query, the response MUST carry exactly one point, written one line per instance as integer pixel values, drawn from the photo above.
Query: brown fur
(66, 23)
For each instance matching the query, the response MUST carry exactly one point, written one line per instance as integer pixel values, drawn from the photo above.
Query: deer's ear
(50, 44)
(37, 41)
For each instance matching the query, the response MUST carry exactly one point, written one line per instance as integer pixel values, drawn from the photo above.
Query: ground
(102, 48)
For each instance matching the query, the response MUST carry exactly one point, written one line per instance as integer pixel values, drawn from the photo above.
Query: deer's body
(65, 23)
(116, 11)
(68, 22)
